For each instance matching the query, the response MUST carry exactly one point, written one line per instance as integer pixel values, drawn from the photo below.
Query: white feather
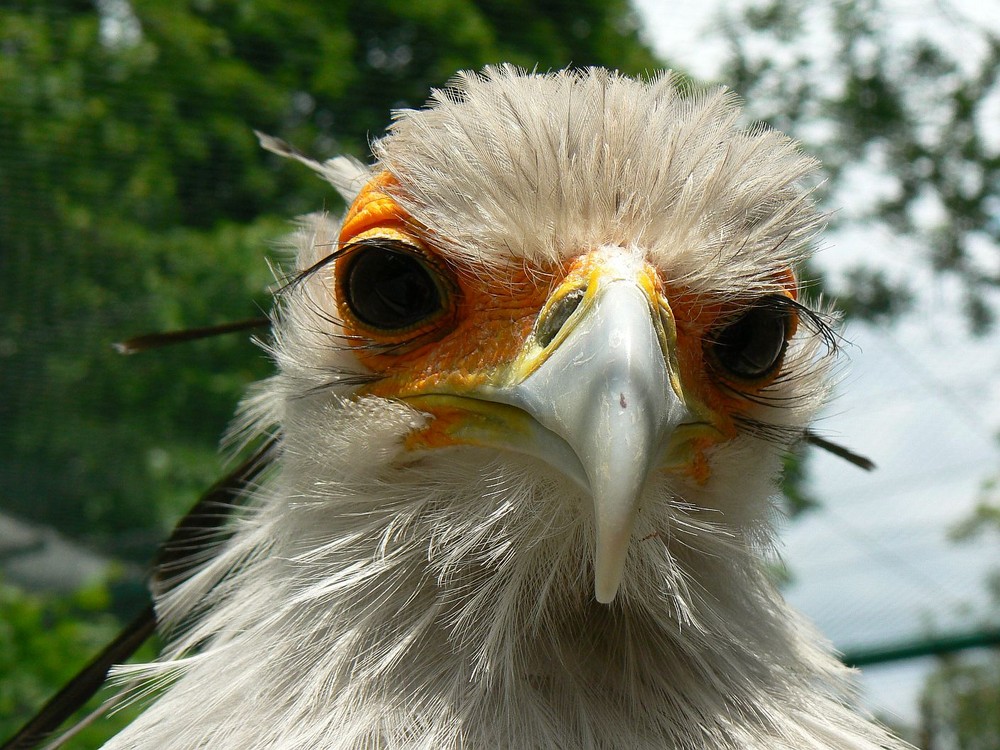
(544, 166)
(369, 599)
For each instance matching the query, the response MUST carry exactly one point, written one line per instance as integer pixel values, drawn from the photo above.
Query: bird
(532, 397)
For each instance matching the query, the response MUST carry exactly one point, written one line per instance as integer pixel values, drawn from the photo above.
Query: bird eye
(388, 286)
(751, 346)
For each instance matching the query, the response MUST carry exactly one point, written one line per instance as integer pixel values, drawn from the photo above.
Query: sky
(875, 565)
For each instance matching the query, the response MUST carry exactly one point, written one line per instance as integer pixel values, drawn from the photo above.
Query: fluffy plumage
(376, 597)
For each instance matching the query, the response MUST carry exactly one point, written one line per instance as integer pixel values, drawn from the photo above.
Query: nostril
(549, 326)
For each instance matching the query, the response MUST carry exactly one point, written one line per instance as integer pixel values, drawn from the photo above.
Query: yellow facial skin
(495, 364)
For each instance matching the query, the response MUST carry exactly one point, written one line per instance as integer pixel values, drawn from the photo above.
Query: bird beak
(605, 389)
(600, 401)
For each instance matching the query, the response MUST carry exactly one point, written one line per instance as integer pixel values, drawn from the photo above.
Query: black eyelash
(337, 379)
(340, 379)
(302, 276)
(340, 341)
(784, 436)
(772, 433)
(820, 325)
(160, 339)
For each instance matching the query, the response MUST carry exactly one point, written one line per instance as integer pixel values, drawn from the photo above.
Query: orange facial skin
(489, 317)
(374, 208)
(481, 331)
(696, 319)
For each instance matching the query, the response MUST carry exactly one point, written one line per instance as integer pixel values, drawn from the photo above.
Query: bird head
(534, 390)
(594, 273)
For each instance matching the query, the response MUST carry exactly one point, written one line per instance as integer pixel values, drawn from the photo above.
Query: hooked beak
(605, 390)
(600, 402)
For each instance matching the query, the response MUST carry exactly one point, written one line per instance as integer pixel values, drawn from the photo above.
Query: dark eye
(751, 346)
(389, 287)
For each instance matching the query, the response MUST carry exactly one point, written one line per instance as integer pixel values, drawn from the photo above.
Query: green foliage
(134, 198)
(44, 640)
(873, 296)
(795, 492)
(960, 700)
(960, 704)
(917, 122)
(986, 516)
(918, 115)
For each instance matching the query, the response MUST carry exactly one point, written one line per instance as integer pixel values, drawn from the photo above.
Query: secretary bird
(533, 395)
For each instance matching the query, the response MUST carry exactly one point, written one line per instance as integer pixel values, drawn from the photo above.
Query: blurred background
(134, 198)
